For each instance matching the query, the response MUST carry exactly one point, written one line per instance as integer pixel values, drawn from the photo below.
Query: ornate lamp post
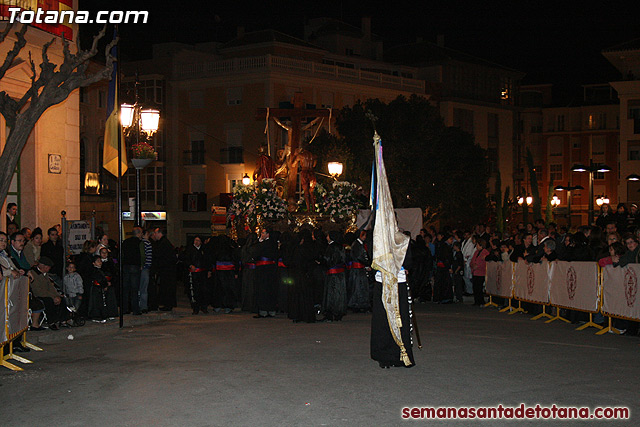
(568, 189)
(592, 169)
(525, 202)
(136, 119)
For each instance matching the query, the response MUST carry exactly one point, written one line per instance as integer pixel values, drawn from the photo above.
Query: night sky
(553, 42)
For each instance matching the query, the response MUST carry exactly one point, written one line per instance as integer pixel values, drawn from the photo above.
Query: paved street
(235, 370)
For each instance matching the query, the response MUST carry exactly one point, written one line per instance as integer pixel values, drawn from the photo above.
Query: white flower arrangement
(254, 201)
(340, 203)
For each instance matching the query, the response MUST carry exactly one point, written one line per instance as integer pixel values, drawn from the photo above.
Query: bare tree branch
(6, 31)
(17, 47)
(52, 86)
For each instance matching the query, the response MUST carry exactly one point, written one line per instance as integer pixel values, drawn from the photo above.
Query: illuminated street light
(134, 119)
(592, 169)
(568, 189)
(335, 169)
(246, 180)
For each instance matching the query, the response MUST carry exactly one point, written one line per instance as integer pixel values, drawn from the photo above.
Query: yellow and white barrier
(620, 292)
(14, 319)
(574, 285)
(581, 286)
(531, 282)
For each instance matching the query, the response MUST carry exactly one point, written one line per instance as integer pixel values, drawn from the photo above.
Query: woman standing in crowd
(103, 242)
(33, 246)
(605, 216)
(478, 271)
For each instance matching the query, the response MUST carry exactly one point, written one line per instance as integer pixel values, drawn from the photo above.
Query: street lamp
(135, 119)
(335, 169)
(555, 201)
(592, 169)
(246, 180)
(525, 202)
(602, 200)
(633, 177)
(568, 189)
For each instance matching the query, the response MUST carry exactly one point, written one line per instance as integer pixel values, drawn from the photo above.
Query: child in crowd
(102, 303)
(73, 287)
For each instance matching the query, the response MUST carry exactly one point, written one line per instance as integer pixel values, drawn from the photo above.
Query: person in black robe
(102, 297)
(84, 263)
(335, 290)
(302, 260)
(285, 246)
(163, 268)
(248, 274)
(384, 349)
(360, 264)
(225, 274)
(422, 264)
(320, 242)
(197, 271)
(348, 240)
(266, 257)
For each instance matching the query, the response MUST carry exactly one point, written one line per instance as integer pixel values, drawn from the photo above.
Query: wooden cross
(296, 115)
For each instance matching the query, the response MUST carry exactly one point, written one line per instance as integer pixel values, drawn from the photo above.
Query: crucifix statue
(294, 133)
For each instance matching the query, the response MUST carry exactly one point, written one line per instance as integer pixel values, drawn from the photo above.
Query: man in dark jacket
(443, 292)
(523, 250)
(53, 250)
(131, 262)
(164, 266)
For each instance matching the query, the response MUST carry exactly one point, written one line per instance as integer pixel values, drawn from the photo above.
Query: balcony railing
(296, 66)
(231, 155)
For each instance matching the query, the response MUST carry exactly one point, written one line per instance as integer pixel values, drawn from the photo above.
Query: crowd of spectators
(301, 274)
(439, 277)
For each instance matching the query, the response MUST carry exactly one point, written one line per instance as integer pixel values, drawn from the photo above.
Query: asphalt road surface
(210, 370)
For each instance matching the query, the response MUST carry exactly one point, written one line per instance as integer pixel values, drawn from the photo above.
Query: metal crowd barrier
(14, 319)
(581, 286)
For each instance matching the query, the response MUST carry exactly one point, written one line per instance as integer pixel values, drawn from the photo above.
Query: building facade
(47, 179)
(560, 137)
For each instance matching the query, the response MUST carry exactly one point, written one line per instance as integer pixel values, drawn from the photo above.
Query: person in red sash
(194, 259)
(360, 265)
(266, 258)
(335, 289)
(225, 275)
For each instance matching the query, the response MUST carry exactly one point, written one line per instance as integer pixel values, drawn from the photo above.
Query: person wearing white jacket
(468, 249)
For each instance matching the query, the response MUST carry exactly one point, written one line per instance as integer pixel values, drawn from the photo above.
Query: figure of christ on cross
(294, 132)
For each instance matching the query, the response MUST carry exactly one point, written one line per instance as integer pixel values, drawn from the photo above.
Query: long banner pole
(119, 193)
